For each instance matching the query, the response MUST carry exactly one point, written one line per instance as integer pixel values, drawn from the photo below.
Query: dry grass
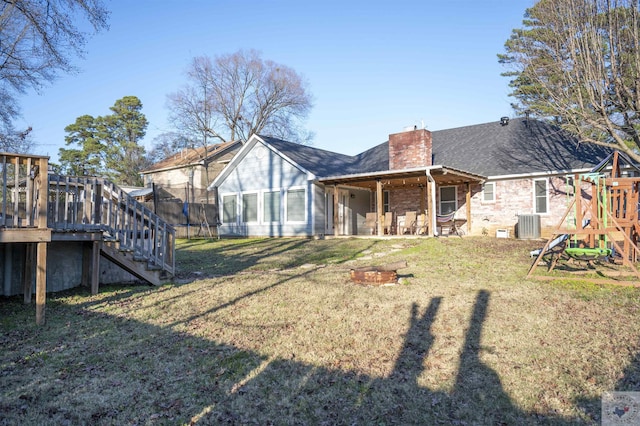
(272, 332)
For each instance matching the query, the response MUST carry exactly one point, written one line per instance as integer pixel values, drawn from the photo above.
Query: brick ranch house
(487, 175)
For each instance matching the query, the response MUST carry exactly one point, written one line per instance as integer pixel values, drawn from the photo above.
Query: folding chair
(388, 223)
(410, 223)
(371, 222)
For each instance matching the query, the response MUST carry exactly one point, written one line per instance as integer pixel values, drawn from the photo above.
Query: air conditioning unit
(528, 226)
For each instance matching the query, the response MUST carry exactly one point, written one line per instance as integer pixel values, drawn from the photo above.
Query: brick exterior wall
(515, 197)
(410, 149)
(401, 201)
(512, 198)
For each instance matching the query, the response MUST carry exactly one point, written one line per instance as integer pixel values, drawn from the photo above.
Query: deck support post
(41, 282)
(8, 263)
(95, 267)
(86, 264)
(30, 261)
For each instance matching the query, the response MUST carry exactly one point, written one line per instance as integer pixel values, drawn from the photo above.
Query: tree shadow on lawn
(216, 258)
(136, 373)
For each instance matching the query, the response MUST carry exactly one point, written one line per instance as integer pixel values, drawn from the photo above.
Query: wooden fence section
(97, 205)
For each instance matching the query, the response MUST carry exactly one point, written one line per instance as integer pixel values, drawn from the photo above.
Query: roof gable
(192, 156)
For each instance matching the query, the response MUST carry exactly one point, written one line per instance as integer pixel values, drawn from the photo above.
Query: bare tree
(165, 145)
(38, 38)
(12, 140)
(238, 95)
(578, 61)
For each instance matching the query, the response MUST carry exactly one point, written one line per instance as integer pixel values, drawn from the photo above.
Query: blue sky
(372, 67)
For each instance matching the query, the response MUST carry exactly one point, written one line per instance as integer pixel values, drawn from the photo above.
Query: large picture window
(540, 194)
(249, 208)
(229, 210)
(271, 207)
(295, 205)
(448, 199)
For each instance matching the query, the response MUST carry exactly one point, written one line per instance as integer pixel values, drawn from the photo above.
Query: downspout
(432, 207)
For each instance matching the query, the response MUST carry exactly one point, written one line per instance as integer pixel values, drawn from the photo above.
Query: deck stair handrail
(92, 204)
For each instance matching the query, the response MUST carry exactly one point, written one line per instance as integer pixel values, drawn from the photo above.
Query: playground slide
(562, 238)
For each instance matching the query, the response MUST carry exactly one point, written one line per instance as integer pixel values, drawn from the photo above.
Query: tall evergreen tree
(108, 146)
(578, 62)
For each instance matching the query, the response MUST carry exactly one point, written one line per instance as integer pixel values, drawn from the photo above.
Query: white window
(249, 208)
(385, 201)
(295, 205)
(271, 207)
(448, 199)
(489, 191)
(229, 210)
(540, 195)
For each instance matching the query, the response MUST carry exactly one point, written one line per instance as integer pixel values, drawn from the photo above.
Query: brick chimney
(410, 149)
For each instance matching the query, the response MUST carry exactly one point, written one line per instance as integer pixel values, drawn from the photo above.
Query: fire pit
(377, 275)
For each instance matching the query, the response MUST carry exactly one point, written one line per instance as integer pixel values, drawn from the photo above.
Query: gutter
(528, 175)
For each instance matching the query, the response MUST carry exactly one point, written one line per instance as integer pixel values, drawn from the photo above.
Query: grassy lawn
(272, 331)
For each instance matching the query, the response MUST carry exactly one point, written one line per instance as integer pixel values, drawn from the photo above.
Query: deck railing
(21, 203)
(94, 204)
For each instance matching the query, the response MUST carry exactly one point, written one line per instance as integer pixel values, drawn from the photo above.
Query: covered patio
(408, 192)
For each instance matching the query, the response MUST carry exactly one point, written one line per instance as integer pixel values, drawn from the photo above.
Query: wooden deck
(37, 208)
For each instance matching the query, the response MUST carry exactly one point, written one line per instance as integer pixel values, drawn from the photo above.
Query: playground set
(601, 222)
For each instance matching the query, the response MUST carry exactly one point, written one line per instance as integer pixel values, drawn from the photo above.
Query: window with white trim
(249, 208)
(229, 209)
(489, 191)
(271, 207)
(295, 205)
(541, 195)
(448, 199)
(385, 201)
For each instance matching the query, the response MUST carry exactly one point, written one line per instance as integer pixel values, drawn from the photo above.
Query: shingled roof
(522, 146)
(190, 156)
(318, 161)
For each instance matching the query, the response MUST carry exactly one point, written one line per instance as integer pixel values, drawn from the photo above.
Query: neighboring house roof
(191, 156)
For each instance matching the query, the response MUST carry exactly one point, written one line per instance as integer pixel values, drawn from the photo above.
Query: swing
(586, 253)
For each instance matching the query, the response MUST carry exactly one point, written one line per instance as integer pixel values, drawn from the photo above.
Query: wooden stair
(132, 236)
(138, 267)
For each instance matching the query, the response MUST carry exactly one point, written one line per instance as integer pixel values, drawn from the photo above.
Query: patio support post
(431, 209)
(336, 231)
(423, 217)
(380, 207)
(468, 208)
